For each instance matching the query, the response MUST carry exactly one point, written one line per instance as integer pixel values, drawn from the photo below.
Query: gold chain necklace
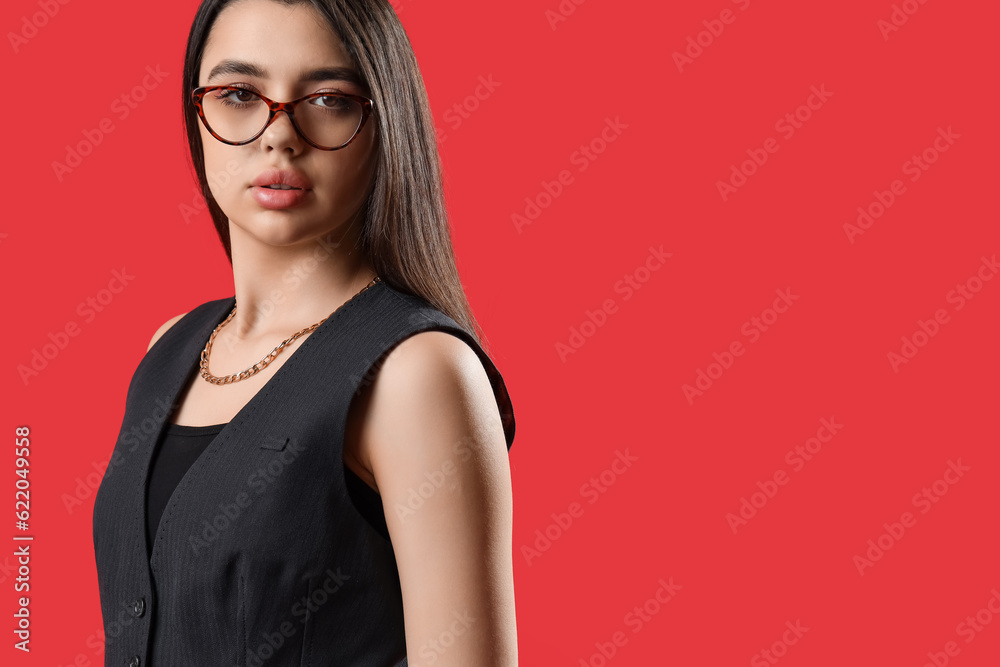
(263, 363)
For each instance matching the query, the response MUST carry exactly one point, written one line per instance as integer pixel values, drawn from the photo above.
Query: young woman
(313, 471)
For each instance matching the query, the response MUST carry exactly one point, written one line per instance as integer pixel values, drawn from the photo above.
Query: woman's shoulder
(433, 356)
(163, 329)
(166, 326)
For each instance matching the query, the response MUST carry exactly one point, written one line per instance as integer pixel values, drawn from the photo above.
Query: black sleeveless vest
(260, 557)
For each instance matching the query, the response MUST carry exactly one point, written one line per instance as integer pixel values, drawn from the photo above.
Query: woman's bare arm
(432, 436)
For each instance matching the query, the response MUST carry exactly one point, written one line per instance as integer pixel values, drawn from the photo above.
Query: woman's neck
(280, 290)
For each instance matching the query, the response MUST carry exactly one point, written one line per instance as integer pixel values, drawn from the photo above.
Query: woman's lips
(273, 198)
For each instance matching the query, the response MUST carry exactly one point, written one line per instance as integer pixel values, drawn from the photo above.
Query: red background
(655, 185)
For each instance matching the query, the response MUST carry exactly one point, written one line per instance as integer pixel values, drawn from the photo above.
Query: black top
(182, 444)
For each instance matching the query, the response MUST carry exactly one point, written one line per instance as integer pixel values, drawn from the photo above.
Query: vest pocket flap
(275, 442)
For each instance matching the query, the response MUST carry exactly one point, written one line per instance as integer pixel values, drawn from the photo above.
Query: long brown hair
(404, 230)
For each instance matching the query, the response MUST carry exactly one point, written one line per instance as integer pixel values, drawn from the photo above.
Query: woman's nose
(281, 132)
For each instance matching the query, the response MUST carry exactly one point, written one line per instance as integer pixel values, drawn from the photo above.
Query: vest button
(133, 661)
(139, 607)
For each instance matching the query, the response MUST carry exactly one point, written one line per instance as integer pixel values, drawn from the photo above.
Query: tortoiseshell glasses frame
(197, 95)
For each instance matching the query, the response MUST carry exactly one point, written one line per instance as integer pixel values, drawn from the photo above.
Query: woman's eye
(242, 95)
(330, 101)
(236, 95)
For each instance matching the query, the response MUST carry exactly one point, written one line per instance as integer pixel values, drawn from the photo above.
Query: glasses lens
(237, 114)
(329, 120)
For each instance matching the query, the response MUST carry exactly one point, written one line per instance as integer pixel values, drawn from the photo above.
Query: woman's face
(284, 44)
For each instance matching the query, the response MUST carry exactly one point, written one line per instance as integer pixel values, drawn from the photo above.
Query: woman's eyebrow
(229, 66)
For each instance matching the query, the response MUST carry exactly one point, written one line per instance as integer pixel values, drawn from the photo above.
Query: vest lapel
(172, 362)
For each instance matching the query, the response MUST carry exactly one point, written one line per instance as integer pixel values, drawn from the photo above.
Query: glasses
(237, 116)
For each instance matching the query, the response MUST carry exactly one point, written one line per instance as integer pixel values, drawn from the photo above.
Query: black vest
(260, 557)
